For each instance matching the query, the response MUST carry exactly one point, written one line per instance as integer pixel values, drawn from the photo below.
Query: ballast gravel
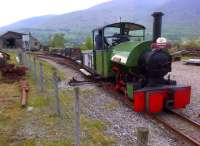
(122, 121)
(189, 75)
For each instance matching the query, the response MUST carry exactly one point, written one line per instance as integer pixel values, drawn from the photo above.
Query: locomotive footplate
(155, 99)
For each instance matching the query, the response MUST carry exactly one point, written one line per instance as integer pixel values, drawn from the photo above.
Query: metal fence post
(29, 62)
(24, 59)
(77, 112)
(20, 55)
(55, 79)
(142, 136)
(34, 69)
(41, 77)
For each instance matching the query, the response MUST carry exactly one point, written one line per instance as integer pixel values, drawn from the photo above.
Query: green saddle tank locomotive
(138, 68)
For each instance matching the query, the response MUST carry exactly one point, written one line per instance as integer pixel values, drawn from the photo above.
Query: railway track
(63, 61)
(179, 124)
(182, 126)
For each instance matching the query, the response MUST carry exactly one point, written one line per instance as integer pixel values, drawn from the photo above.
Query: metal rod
(34, 69)
(41, 77)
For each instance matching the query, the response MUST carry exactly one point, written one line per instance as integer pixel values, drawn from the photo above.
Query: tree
(57, 41)
(87, 45)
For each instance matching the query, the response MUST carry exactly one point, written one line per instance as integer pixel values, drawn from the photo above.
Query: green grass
(184, 58)
(28, 142)
(94, 132)
(68, 142)
(4, 141)
(14, 117)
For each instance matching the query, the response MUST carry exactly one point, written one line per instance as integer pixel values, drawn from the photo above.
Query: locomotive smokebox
(157, 25)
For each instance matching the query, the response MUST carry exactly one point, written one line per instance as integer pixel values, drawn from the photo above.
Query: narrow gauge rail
(173, 121)
(62, 60)
(180, 125)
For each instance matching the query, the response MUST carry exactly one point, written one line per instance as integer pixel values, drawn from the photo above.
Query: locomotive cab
(116, 33)
(108, 38)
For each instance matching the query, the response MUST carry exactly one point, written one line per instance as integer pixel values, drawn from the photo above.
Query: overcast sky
(14, 10)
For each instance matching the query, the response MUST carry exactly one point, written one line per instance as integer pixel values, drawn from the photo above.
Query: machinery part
(10, 71)
(74, 82)
(24, 93)
(85, 72)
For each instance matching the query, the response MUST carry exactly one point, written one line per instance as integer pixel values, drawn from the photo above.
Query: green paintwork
(130, 90)
(107, 63)
(99, 61)
(103, 63)
(131, 51)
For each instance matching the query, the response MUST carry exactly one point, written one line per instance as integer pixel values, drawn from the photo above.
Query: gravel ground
(99, 104)
(189, 75)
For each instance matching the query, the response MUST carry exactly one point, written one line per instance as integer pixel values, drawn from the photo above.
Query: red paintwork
(139, 102)
(182, 97)
(160, 45)
(120, 85)
(156, 99)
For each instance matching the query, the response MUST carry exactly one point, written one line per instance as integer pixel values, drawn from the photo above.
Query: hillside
(180, 18)
(130, 10)
(29, 23)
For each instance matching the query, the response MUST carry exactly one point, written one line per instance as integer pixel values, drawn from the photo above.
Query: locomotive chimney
(157, 25)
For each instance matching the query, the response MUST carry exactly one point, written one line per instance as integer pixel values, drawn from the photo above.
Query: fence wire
(62, 102)
(47, 79)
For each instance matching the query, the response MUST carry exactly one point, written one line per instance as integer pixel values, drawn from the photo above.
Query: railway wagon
(73, 53)
(138, 68)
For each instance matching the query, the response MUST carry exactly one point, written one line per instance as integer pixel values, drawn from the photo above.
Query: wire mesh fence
(61, 102)
(65, 104)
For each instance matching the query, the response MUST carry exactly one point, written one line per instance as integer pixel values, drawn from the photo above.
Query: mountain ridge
(180, 18)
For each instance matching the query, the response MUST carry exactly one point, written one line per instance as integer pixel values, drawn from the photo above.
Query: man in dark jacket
(99, 40)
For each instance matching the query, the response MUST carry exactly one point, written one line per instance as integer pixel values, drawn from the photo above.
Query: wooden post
(55, 79)
(142, 136)
(77, 111)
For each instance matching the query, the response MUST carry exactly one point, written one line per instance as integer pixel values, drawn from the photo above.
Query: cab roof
(127, 25)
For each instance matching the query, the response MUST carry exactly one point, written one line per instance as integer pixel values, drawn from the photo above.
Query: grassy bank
(41, 126)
